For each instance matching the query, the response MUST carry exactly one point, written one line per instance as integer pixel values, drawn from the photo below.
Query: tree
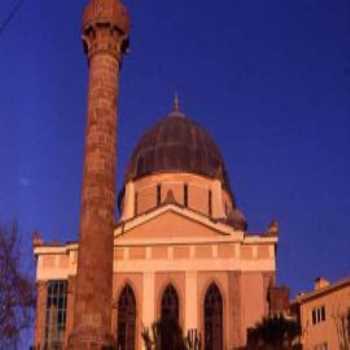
(274, 333)
(16, 290)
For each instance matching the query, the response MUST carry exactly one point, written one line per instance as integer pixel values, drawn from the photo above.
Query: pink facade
(173, 245)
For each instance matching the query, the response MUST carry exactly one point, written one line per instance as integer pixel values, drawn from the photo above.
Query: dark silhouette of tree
(274, 333)
(166, 334)
(16, 290)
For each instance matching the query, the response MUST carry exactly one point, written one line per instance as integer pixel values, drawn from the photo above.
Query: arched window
(213, 309)
(169, 325)
(126, 320)
(170, 304)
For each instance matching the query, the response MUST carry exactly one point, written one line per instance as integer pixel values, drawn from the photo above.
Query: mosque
(180, 249)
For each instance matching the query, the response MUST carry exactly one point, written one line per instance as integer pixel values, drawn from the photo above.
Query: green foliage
(274, 333)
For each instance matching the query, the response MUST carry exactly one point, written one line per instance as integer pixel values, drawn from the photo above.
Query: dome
(178, 144)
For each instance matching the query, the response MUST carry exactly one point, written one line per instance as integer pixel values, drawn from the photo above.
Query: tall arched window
(169, 325)
(126, 320)
(170, 304)
(213, 310)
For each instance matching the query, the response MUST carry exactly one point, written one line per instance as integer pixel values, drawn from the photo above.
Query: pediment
(171, 224)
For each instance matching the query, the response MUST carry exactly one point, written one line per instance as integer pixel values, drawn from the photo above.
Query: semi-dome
(176, 143)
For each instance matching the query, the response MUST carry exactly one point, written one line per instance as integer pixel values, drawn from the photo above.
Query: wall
(144, 192)
(188, 251)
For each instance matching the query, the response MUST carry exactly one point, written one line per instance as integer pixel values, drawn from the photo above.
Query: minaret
(105, 33)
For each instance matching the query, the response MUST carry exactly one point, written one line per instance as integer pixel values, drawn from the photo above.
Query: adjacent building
(324, 315)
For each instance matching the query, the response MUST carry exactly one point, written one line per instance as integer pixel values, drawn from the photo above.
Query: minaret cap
(110, 12)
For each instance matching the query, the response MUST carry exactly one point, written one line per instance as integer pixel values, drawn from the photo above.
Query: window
(323, 313)
(213, 310)
(170, 304)
(56, 308)
(186, 195)
(210, 203)
(126, 320)
(318, 314)
(169, 319)
(136, 204)
(159, 195)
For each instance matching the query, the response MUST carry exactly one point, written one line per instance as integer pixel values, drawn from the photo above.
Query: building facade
(324, 315)
(180, 249)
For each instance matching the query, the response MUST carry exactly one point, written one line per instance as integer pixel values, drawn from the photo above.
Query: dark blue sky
(269, 79)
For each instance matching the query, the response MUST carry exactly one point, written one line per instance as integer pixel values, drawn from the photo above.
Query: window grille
(56, 314)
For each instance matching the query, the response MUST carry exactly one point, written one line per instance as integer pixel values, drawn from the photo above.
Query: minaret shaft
(104, 44)
(95, 262)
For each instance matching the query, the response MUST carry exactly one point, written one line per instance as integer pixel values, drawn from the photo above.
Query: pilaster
(148, 316)
(192, 302)
(235, 324)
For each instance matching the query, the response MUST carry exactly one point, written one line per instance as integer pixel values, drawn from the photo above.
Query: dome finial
(176, 102)
(176, 112)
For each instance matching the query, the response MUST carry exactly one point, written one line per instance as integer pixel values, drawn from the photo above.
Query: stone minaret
(105, 32)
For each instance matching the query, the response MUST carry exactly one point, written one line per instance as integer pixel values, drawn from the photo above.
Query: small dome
(177, 144)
